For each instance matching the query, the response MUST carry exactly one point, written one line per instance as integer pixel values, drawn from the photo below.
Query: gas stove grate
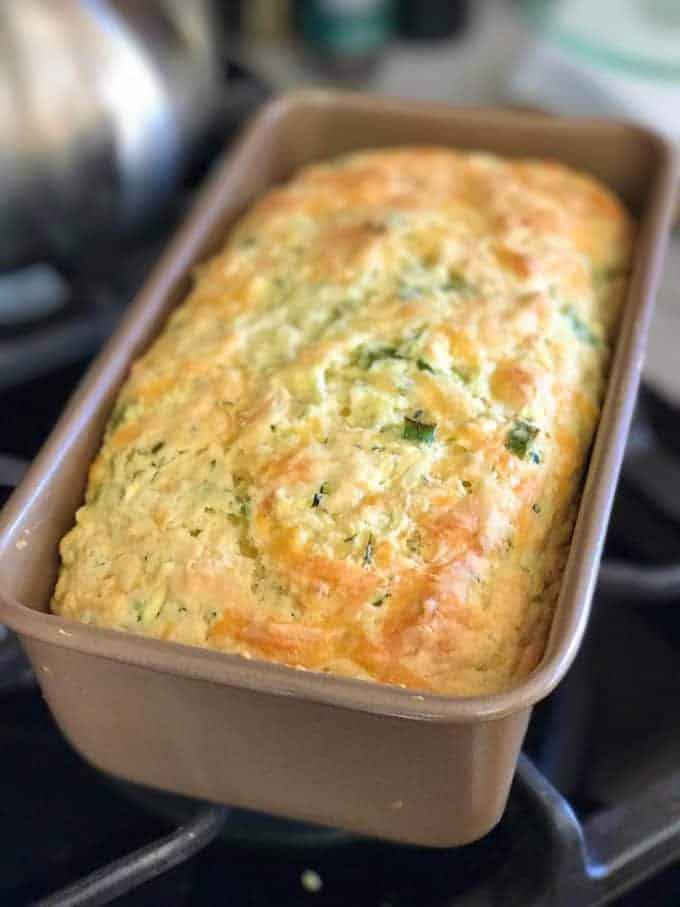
(587, 863)
(124, 875)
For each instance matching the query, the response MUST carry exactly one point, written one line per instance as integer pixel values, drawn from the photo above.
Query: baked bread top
(357, 446)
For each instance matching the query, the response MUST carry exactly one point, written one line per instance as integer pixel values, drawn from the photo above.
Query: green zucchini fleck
(316, 500)
(368, 552)
(579, 327)
(520, 437)
(118, 416)
(459, 373)
(366, 358)
(424, 366)
(420, 432)
(457, 283)
(380, 601)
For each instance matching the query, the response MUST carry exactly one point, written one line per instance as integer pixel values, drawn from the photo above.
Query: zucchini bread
(357, 446)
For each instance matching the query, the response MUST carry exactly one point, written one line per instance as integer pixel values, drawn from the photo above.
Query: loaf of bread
(357, 446)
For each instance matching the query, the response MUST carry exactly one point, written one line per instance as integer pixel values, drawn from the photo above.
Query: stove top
(594, 815)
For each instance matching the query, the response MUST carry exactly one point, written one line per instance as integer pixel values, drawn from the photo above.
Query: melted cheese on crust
(357, 446)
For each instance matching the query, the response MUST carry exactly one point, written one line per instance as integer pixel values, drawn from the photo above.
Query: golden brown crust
(357, 446)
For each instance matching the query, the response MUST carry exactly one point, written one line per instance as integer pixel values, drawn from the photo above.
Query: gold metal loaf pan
(375, 759)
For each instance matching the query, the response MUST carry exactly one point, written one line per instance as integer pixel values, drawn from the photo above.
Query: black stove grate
(129, 872)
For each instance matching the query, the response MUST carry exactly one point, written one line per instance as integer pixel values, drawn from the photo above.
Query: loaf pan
(371, 758)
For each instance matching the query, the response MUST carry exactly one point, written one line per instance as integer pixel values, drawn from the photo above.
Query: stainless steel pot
(100, 101)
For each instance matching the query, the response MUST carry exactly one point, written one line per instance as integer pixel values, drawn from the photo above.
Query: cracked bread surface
(357, 446)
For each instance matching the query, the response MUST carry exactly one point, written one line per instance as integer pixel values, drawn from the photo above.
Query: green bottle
(346, 36)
